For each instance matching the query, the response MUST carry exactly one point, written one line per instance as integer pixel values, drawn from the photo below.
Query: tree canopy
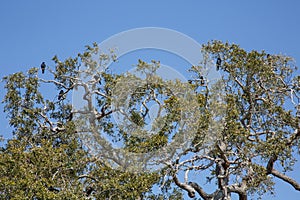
(137, 136)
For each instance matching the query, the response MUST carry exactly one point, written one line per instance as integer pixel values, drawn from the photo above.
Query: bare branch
(274, 172)
(87, 176)
(191, 191)
(239, 189)
(201, 192)
(285, 178)
(271, 164)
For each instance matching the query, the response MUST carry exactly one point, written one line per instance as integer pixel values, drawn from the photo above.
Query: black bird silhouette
(269, 59)
(61, 95)
(96, 77)
(218, 63)
(201, 80)
(43, 67)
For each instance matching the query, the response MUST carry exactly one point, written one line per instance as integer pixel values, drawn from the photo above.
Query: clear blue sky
(33, 31)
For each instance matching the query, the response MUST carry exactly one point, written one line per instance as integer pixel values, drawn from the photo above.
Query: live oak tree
(261, 125)
(51, 155)
(46, 159)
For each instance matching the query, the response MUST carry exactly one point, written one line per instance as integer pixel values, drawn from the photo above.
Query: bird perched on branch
(202, 82)
(218, 63)
(97, 78)
(61, 95)
(43, 67)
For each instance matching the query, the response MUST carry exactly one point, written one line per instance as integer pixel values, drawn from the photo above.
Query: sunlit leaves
(48, 160)
(259, 122)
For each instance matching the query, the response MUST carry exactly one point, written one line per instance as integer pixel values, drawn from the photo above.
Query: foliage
(52, 154)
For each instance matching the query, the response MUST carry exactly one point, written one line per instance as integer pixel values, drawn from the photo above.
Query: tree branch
(201, 192)
(239, 189)
(285, 178)
(271, 164)
(274, 172)
(191, 191)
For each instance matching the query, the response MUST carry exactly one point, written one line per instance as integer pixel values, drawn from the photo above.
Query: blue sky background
(33, 31)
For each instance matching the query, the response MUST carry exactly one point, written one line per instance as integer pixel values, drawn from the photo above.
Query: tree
(60, 151)
(261, 125)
